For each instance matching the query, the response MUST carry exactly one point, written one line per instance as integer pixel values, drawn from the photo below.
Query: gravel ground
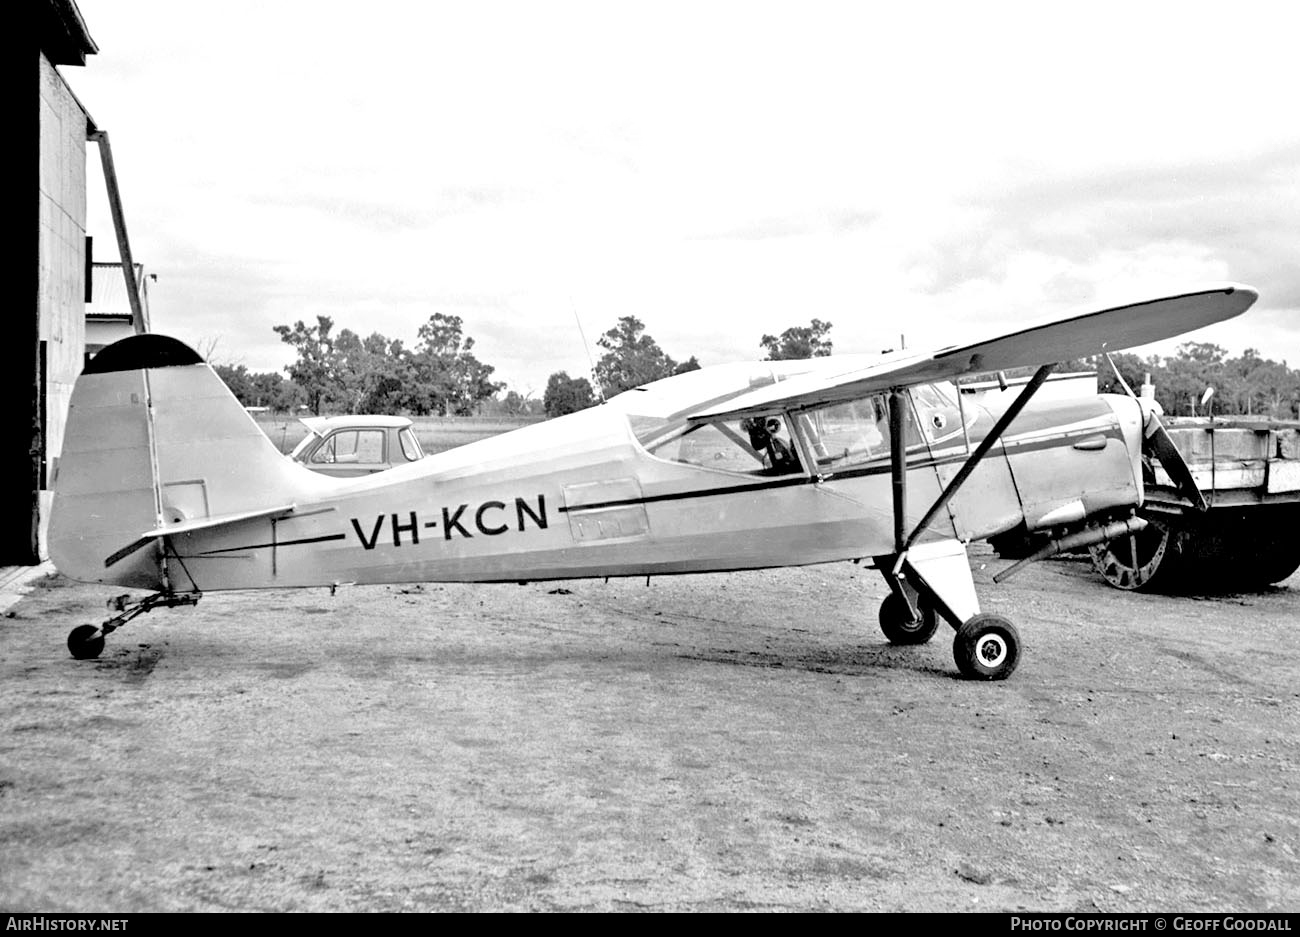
(719, 743)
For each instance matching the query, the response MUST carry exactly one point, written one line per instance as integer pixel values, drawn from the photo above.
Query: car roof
(323, 424)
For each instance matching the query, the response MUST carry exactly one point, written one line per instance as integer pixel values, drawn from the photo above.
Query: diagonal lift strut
(904, 541)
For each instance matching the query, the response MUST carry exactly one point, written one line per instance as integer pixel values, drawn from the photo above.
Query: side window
(755, 446)
(351, 445)
(854, 431)
(370, 446)
(940, 417)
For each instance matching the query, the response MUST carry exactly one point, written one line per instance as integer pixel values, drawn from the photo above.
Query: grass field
(436, 433)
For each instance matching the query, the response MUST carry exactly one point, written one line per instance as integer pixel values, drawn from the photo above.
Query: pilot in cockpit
(779, 457)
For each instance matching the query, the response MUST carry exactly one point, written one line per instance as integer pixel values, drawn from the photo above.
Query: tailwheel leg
(86, 642)
(987, 647)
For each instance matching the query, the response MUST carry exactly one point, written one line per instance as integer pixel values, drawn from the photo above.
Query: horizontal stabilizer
(185, 527)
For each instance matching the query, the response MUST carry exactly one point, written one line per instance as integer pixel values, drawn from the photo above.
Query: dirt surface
(727, 742)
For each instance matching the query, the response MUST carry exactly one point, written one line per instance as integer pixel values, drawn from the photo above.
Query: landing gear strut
(86, 642)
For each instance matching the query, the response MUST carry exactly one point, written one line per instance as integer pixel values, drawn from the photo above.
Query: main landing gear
(933, 580)
(904, 626)
(986, 647)
(86, 642)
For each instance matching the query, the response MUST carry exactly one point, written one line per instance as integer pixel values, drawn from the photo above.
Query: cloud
(1240, 217)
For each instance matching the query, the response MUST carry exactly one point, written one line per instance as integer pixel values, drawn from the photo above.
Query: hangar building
(50, 273)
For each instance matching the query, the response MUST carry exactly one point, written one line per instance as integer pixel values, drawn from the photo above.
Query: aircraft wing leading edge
(1073, 336)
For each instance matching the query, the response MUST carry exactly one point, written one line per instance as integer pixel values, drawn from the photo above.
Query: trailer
(1249, 535)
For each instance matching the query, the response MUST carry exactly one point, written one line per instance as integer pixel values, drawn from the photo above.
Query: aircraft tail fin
(156, 440)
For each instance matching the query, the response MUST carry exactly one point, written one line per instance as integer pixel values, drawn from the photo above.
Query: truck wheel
(1281, 565)
(1149, 559)
(1247, 551)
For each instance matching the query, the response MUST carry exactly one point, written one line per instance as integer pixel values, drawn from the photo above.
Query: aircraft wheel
(987, 647)
(899, 626)
(81, 643)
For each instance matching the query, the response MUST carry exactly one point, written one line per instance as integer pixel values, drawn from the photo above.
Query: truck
(1247, 536)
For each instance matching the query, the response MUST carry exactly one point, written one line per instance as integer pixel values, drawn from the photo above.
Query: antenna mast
(591, 363)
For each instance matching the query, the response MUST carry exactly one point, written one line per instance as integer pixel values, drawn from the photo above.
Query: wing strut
(898, 466)
(969, 466)
(941, 575)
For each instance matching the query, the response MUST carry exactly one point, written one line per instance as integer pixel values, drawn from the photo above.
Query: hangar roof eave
(64, 38)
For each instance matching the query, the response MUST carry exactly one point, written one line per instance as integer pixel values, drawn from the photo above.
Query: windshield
(307, 442)
(410, 445)
(853, 431)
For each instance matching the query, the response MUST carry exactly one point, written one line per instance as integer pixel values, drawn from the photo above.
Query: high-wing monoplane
(166, 484)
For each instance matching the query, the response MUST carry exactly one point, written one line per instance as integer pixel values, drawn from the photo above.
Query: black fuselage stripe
(280, 543)
(686, 495)
(958, 456)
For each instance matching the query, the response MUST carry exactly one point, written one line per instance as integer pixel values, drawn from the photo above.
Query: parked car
(356, 445)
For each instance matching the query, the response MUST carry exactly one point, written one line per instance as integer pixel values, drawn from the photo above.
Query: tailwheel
(85, 642)
(900, 627)
(987, 647)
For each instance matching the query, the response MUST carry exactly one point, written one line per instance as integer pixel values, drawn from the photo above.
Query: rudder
(154, 438)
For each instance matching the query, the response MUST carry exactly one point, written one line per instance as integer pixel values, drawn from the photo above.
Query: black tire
(82, 645)
(1232, 551)
(1281, 564)
(987, 647)
(899, 626)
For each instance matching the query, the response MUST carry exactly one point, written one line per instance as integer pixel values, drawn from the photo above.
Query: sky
(908, 172)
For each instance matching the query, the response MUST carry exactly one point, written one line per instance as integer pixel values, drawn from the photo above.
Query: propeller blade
(1163, 448)
(1120, 377)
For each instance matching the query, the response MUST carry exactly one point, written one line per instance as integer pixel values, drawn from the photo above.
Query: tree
(271, 389)
(374, 375)
(237, 378)
(566, 394)
(631, 358)
(1185, 377)
(261, 389)
(798, 342)
(449, 379)
(314, 371)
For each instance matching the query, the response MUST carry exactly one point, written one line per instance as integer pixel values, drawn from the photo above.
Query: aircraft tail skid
(156, 443)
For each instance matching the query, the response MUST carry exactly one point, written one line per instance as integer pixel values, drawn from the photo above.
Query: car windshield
(300, 450)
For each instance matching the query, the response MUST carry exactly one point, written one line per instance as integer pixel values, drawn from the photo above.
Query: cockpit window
(852, 432)
(754, 446)
(940, 417)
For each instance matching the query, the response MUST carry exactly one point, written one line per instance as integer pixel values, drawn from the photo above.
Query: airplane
(166, 483)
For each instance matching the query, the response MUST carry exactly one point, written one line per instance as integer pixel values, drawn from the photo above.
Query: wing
(1071, 336)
